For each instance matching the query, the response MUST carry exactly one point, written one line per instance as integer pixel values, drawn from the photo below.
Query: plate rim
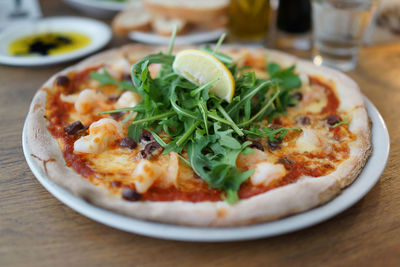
(65, 57)
(361, 186)
(194, 37)
(101, 5)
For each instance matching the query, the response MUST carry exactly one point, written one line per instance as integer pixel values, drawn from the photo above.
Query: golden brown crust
(310, 192)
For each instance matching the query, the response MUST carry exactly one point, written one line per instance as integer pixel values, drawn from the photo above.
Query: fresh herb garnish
(105, 78)
(343, 122)
(189, 120)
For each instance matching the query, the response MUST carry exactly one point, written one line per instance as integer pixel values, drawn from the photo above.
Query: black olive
(130, 194)
(146, 137)
(286, 161)
(142, 154)
(275, 144)
(152, 149)
(74, 127)
(127, 77)
(113, 98)
(63, 84)
(332, 119)
(117, 115)
(257, 145)
(303, 120)
(297, 95)
(62, 81)
(128, 143)
(116, 184)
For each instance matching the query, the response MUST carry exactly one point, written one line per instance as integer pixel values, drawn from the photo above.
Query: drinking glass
(339, 27)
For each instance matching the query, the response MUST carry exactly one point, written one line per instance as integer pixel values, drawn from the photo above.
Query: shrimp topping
(102, 133)
(89, 100)
(145, 174)
(128, 99)
(266, 172)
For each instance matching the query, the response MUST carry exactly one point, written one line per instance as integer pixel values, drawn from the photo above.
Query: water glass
(339, 27)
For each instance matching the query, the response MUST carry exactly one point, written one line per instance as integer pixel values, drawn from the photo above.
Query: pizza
(129, 131)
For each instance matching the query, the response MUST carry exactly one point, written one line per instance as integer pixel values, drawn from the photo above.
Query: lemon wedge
(200, 67)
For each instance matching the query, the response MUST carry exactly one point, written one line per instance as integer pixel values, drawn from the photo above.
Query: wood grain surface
(38, 230)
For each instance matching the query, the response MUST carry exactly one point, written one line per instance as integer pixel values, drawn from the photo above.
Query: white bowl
(97, 8)
(99, 33)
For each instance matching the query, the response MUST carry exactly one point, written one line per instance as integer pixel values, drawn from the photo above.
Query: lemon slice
(200, 67)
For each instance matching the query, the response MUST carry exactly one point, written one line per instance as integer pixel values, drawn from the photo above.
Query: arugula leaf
(343, 122)
(217, 165)
(105, 78)
(273, 69)
(211, 131)
(286, 77)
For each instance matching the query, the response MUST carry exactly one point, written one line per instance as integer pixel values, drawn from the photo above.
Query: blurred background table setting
(41, 37)
(329, 32)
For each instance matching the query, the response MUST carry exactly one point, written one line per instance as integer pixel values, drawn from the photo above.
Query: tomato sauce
(333, 101)
(58, 117)
(80, 77)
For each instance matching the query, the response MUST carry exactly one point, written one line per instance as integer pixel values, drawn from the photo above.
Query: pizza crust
(306, 193)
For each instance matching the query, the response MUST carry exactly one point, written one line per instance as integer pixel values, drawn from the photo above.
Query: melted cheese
(311, 140)
(118, 160)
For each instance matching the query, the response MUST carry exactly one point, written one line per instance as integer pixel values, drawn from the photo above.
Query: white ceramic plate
(99, 33)
(367, 179)
(98, 8)
(193, 37)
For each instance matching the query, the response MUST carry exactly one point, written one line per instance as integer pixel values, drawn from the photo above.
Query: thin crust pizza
(202, 138)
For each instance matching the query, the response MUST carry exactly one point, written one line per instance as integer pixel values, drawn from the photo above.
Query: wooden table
(37, 229)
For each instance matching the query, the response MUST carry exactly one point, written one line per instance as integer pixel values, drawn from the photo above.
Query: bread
(216, 23)
(134, 18)
(196, 11)
(165, 26)
(163, 15)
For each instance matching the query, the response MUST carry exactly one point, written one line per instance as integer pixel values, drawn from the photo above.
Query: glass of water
(339, 27)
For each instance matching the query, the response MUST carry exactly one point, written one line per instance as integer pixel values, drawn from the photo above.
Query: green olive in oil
(50, 43)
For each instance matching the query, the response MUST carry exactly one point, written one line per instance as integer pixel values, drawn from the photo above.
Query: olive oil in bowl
(48, 44)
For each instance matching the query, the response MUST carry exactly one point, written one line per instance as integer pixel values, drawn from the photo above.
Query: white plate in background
(349, 196)
(192, 37)
(98, 32)
(98, 8)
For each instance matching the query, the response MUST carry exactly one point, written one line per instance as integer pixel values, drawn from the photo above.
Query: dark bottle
(294, 16)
